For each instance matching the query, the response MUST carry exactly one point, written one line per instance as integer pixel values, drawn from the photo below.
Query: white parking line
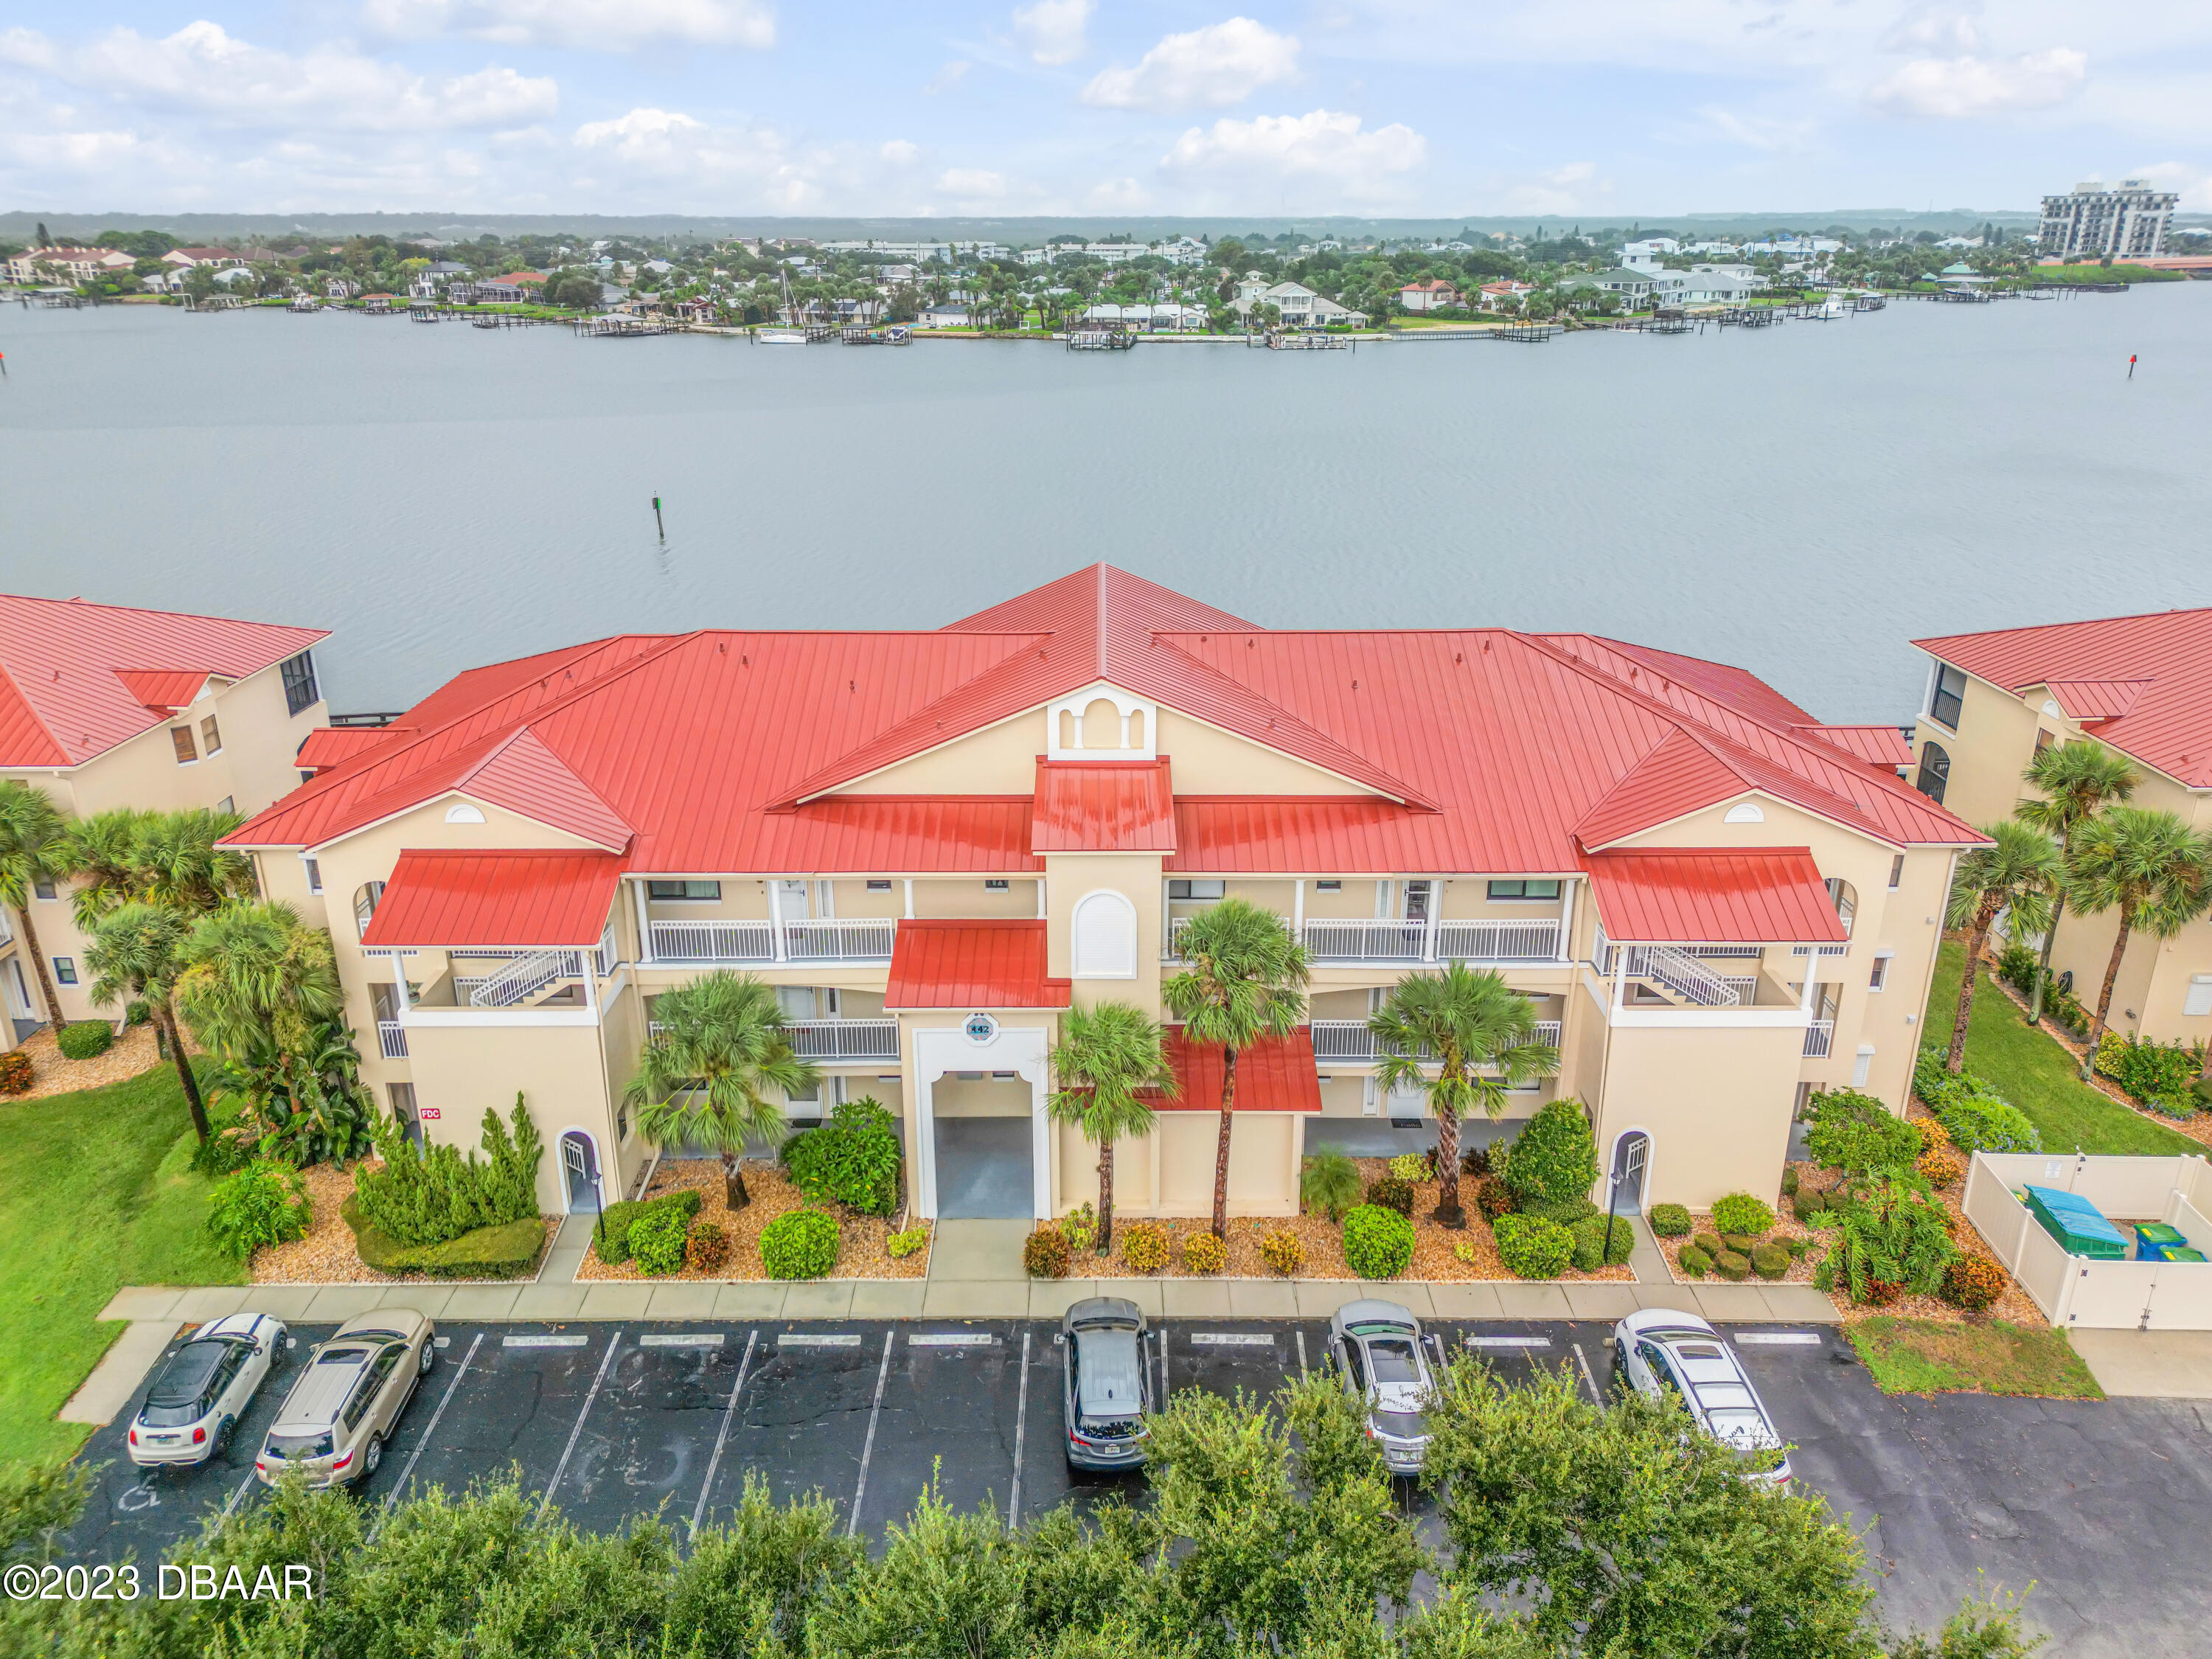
(682, 1340)
(543, 1341)
(951, 1340)
(1165, 1385)
(1509, 1342)
(1301, 1336)
(1582, 1359)
(239, 1493)
(815, 1340)
(570, 1451)
(1231, 1340)
(1021, 1424)
(868, 1446)
(430, 1429)
(1780, 1339)
(699, 1510)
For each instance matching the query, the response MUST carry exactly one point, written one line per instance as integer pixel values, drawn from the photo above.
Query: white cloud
(204, 71)
(615, 25)
(899, 151)
(669, 145)
(972, 184)
(1962, 89)
(1558, 190)
(1212, 68)
(947, 78)
(1321, 148)
(1052, 29)
(1118, 195)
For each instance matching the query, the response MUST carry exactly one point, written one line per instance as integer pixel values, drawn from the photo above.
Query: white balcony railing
(391, 1038)
(1350, 1040)
(1497, 941)
(1818, 1036)
(1338, 940)
(844, 1039)
(863, 938)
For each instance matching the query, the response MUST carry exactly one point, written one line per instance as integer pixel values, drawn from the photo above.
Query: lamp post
(1612, 1192)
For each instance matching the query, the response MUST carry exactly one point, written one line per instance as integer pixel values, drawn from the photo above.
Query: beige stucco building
(102, 707)
(2142, 685)
(934, 843)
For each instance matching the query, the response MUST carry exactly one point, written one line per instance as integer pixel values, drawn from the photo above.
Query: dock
(619, 328)
(1100, 337)
(1528, 333)
(1284, 339)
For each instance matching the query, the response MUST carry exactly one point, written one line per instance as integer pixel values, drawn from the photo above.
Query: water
(1800, 500)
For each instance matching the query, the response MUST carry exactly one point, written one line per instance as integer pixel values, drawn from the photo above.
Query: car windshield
(1400, 1425)
(285, 1446)
(1392, 1359)
(172, 1417)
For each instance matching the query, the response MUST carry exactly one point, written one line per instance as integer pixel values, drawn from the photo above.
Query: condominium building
(102, 707)
(934, 843)
(2142, 685)
(2101, 219)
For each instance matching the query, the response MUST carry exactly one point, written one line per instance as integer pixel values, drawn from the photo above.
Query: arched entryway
(580, 1172)
(1631, 1171)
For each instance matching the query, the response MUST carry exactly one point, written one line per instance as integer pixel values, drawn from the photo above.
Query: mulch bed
(1434, 1248)
(326, 1255)
(861, 1239)
(54, 1074)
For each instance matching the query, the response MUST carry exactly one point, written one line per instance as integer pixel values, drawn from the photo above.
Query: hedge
(506, 1250)
(1590, 1253)
(852, 1159)
(1670, 1221)
(1973, 1114)
(799, 1244)
(83, 1039)
(1533, 1246)
(610, 1238)
(1378, 1243)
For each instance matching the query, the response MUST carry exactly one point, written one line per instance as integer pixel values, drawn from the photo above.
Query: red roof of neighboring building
(77, 679)
(446, 901)
(1877, 745)
(328, 745)
(1276, 1074)
(2148, 678)
(1714, 896)
(1092, 806)
(971, 965)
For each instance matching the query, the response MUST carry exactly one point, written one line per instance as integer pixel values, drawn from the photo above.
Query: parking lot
(2098, 1503)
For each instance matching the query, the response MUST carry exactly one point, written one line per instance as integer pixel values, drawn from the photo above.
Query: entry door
(576, 1160)
(19, 993)
(1628, 1178)
(797, 900)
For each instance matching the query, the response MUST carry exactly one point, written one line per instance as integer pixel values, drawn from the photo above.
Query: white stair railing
(526, 976)
(1682, 974)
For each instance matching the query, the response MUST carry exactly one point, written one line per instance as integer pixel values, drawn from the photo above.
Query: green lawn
(95, 1192)
(1926, 1356)
(2034, 1072)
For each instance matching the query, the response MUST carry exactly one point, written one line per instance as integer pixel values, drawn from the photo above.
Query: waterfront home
(1700, 288)
(1298, 305)
(183, 259)
(945, 317)
(2142, 685)
(1427, 296)
(68, 264)
(934, 843)
(344, 287)
(1505, 296)
(1632, 286)
(1165, 318)
(102, 707)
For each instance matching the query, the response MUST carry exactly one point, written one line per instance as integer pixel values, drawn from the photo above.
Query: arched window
(1845, 897)
(1104, 945)
(364, 902)
(1934, 772)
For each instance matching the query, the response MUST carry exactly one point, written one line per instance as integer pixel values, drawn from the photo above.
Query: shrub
(611, 1240)
(1731, 1266)
(1973, 1282)
(430, 1194)
(656, 1241)
(2148, 1071)
(1808, 1205)
(903, 1245)
(1202, 1253)
(14, 1072)
(1044, 1255)
(1475, 1160)
(1494, 1199)
(852, 1159)
(802, 1244)
(1740, 1212)
(1696, 1264)
(1590, 1253)
(1329, 1183)
(1790, 1180)
(1555, 1157)
(1855, 1132)
(264, 1203)
(509, 1250)
(1669, 1220)
(1391, 1194)
(1940, 1166)
(1081, 1226)
(1411, 1167)
(1975, 1117)
(83, 1039)
(1795, 1246)
(1145, 1247)
(1740, 1242)
(2180, 1106)
(707, 1249)
(1770, 1261)
(1378, 1243)
(1533, 1246)
(1564, 1211)
(1285, 1253)
(1894, 1236)
(1708, 1242)
(2016, 966)
(137, 1011)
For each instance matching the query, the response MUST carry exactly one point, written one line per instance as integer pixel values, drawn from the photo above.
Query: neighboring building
(1632, 286)
(67, 264)
(344, 287)
(1505, 296)
(1299, 306)
(1427, 296)
(2099, 220)
(2140, 685)
(1165, 317)
(185, 258)
(1700, 288)
(945, 317)
(102, 707)
(932, 844)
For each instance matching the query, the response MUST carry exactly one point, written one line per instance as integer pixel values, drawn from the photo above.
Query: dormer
(1102, 723)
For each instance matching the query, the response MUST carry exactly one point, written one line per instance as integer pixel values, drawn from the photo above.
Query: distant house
(945, 317)
(1165, 318)
(1428, 296)
(1299, 306)
(185, 258)
(1961, 273)
(341, 288)
(1632, 286)
(232, 276)
(1505, 296)
(1704, 288)
(72, 265)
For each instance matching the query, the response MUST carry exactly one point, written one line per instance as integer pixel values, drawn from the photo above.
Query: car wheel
(1621, 1361)
(430, 1358)
(222, 1433)
(373, 1456)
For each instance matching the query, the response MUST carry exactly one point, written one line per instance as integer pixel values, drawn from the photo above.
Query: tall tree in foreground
(2153, 870)
(2019, 871)
(33, 848)
(703, 1076)
(1246, 981)
(1479, 1033)
(137, 949)
(2078, 781)
(1104, 1057)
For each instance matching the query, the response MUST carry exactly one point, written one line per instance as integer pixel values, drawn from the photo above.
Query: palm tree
(136, 949)
(2078, 781)
(254, 972)
(1105, 1055)
(33, 848)
(716, 1043)
(1481, 1035)
(2019, 871)
(178, 863)
(2151, 868)
(102, 852)
(1246, 981)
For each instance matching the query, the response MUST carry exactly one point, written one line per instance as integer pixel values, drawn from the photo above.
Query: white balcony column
(587, 961)
(1436, 886)
(909, 898)
(399, 1003)
(1619, 976)
(1565, 950)
(1805, 995)
(777, 944)
(646, 955)
(1298, 909)
(1040, 887)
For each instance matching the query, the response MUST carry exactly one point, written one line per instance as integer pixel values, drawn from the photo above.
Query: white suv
(1660, 1352)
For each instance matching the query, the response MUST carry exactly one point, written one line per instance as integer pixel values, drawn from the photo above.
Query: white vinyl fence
(2074, 1292)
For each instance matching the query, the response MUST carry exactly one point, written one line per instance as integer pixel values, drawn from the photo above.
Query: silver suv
(1376, 1347)
(1106, 1387)
(347, 1401)
(1663, 1352)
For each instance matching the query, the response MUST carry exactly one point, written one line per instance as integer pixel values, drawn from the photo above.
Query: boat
(780, 336)
(304, 303)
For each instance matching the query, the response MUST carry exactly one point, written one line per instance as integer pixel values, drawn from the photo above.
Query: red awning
(165, 690)
(971, 965)
(1103, 806)
(1712, 895)
(1276, 1074)
(527, 900)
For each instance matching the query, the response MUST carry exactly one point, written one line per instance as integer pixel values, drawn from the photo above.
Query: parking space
(646, 1439)
(801, 1421)
(953, 1404)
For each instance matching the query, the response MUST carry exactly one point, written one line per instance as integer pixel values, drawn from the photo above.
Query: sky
(1587, 109)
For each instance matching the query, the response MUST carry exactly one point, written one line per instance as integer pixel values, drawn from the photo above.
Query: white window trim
(1878, 981)
(311, 868)
(1863, 1066)
(1075, 934)
(2197, 982)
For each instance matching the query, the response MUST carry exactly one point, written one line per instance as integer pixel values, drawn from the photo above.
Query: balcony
(1333, 943)
(834, 1041)
(1818, 1036)
(1350, 1042)
(392, 1039)
(686, 943)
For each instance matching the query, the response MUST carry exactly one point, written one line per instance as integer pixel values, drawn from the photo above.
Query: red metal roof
(971, 965)
(445, 901)
(327, 745)
(1276, 1074)
(77, 679)
(1877, 745)
(1714, 896)
(2166, 722)
(1103, 806)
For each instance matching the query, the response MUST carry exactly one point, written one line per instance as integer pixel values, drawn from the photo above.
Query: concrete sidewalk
(2152, 1365)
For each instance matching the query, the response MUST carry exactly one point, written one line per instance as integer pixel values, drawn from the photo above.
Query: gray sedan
(1378, 1349)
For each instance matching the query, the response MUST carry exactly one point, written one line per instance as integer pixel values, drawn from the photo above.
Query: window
(695, 892)
(1328, 887)
(44, 887)
(1896, 871)
(228, 803)
(210, 737)
(1105, 937)
(2043, 739)
(364, 902)
(314, 875)
(1879, 979)
(462, 813)
(996, 884)
(1208, 889)
(2199, 1000)
(299, 674)
(403, 1108)
(182, 736)
(1862, 1066)
(1950, 696)
(65, 969)
(879, 887)
(1500, 890)
(1934, 772)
